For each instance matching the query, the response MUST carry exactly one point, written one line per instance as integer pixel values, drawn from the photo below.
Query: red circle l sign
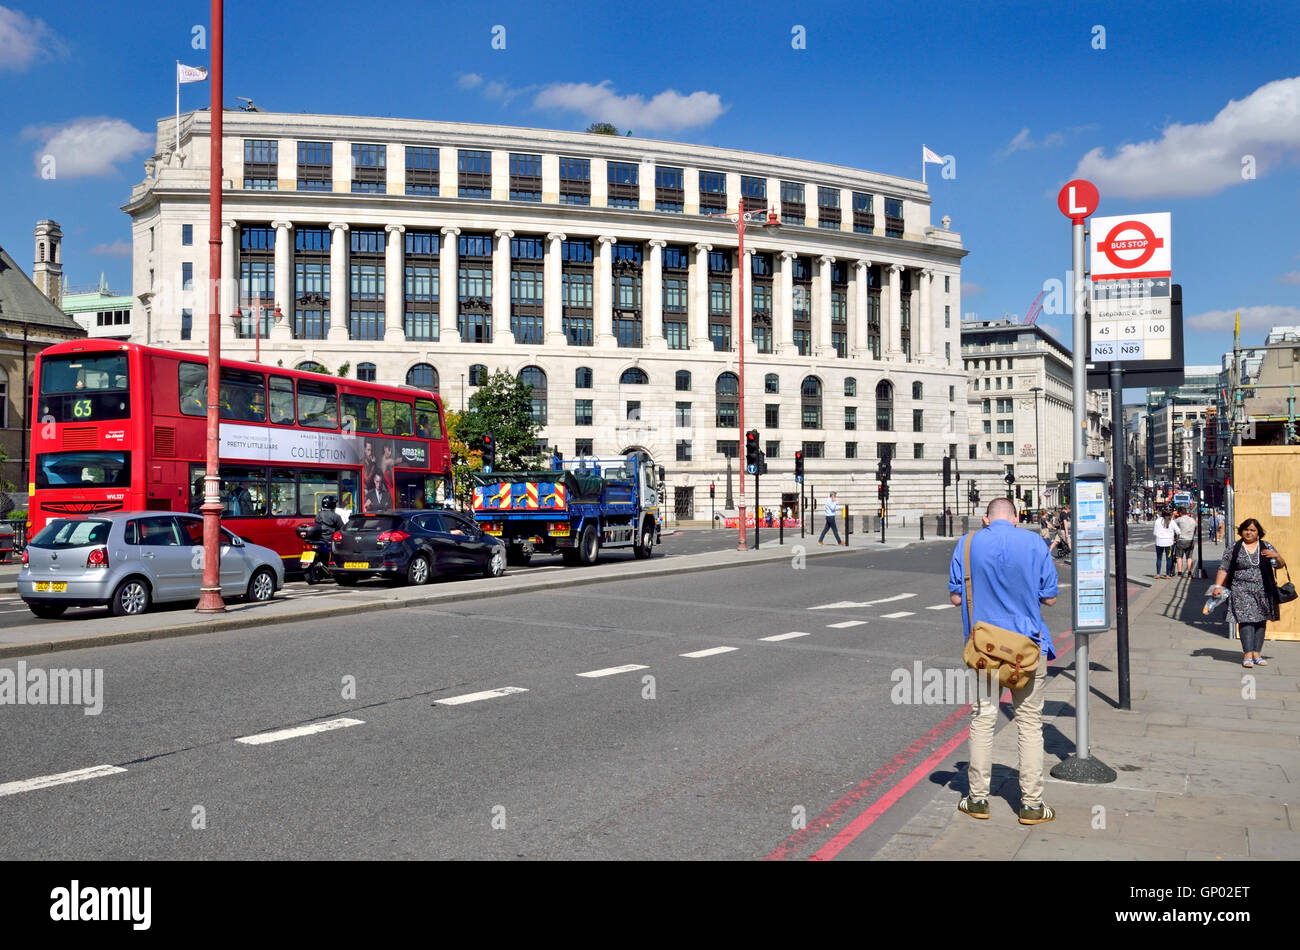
(1078, 199)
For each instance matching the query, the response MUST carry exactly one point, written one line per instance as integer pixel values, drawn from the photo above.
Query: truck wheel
(645, 544)
(588, 546)
(517, 557)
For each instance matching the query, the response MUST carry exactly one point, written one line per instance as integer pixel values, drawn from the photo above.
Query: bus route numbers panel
(1132, 319)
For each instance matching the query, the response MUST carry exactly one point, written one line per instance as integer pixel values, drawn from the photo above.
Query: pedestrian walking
(1166, 533)
(1246, 572)
(1011, 577)
(831, 509)
(1186, 527)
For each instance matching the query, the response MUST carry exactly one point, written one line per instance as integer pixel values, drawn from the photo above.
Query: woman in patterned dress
(1247, 571)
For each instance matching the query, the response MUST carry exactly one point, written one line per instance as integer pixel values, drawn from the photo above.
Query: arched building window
(884, 406)
(850, 386)
(311, 366)
(810, 398)
(771, 383)
(423, 376)
(478, 374)
(582, 378)
(683, 380)
(366, 372)
(535, 377)
(727, 396)
(634, 377)
(917, 389)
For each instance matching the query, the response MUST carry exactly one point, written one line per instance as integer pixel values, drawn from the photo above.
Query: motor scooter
(316, 551)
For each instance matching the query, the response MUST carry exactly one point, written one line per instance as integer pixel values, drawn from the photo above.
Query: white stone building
(435, 252)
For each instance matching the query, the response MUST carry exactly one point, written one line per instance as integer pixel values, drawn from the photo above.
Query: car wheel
(417, 572)
(346, 580)
(261, 586)
(588, 546)
(131, 598)
(645, 546)
(496, 565)
(517, 557)
(47, 611)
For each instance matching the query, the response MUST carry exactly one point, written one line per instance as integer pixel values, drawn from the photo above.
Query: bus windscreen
(84, 388)
(83, 470)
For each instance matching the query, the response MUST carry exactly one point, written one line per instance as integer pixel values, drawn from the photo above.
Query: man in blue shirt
(1011, 575)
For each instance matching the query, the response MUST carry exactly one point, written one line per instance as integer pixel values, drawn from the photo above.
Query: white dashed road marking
(475, 697)
(939, 607)
(783, 636)
(703, 653)
(843, 604)
(846, 623)
(901, 613)
(264, 737)
(615, 669)
(63, 778)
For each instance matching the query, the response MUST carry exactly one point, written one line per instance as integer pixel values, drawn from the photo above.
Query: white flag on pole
(930, 157)
(191, 73)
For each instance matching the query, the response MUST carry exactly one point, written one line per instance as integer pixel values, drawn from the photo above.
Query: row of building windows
(474, 172)
(728, 448)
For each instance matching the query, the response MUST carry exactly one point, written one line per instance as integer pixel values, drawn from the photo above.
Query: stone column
(340, 286)
(229, 279)
(822, 309)
(501, 329)
(652, 297)
(894, 315)
(925, 317)
(553, 290)
(859, 342)
(783, 319)
(394, 284)
(449, 286)
(700, 298)
(603, 292)
(282, 331)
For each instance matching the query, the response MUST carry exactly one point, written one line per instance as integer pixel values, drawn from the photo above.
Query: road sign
(1078, 199)
(1140, 369)
(1130, 246)
(1132, 319)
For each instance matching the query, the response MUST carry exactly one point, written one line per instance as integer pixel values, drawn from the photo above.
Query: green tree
(604, 128)
(503, 407)
(344, 369)
(464, 459)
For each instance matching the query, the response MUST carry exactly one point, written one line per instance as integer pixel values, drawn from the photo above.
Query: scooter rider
(327, 519)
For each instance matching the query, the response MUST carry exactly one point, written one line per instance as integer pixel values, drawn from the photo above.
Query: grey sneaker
(975, 807)
(1037, 816)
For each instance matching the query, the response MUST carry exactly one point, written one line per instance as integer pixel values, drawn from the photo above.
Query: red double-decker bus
(120, 426)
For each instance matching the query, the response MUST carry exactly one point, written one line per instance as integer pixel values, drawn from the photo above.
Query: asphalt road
(715, 756)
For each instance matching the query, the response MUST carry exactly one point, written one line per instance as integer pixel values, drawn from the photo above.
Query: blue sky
(1018, 93)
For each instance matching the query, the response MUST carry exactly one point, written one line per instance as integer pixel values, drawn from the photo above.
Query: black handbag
(1286, 592)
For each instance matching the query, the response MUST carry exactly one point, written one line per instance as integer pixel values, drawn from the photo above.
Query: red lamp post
(769, 221)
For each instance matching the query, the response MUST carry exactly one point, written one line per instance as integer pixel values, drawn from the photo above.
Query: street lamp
(1038, 450)
(769, 221)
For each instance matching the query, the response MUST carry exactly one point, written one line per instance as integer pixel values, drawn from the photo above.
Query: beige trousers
(1028, 703)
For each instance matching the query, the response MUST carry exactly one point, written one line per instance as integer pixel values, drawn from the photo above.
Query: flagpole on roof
(178, 105)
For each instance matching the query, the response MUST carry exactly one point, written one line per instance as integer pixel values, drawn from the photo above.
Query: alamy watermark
(55, 687)
(942, 686)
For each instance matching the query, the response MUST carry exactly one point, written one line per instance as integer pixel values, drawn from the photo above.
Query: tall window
(478, 375)
(850, 417)
(720, 299)
(884, 407)
(683, 381)
(771, 383)
(421, 170)
(582, 378)
(576, 287)
(623, 184)
(422, 376)
(634, 376)
(474, 174)
(810, 400)
(840, 309)
(894, 217)
(873, 311)
(828, 207)
(864, 222)
(256, 281)
(582, 412)
(311, 283)
(421, 287)
(670, 189)
(850, 387)
(713, 192)
(534, 377)
(675, 265)
(315, 166)
(366, 373)
(525, 177)
(726, 393)
(754, 191)
(772, 415)
(575, 181)
(366, 317)
(369, 169)
(475, 288)
(261, 164)
(793, 210)
(526, 283)
(626, 288)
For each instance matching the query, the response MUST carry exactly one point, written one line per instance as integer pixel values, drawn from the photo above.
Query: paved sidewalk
(1208, 759)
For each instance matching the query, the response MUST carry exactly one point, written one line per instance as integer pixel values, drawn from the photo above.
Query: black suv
(413, 546)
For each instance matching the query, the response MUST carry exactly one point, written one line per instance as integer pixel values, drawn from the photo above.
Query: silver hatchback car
(130, 560)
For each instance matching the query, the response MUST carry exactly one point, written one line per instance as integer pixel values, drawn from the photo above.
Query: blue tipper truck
(575, 508)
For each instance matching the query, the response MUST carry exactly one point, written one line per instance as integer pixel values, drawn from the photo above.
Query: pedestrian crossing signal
(752, 460)
(798, 466)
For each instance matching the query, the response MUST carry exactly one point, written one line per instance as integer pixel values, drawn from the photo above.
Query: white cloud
(116, 249)
(600, 103)
(23, 41)
(1291, 278)
(1022, 141)
(971, 289)
(1194, 160)
(470, 81)
(87, 147)
(1252, 318)
(505, 93)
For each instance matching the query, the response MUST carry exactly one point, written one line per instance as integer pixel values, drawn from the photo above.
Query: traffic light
(762, 463)
(947, 471)
(751, 451)
(886, 465)
(1011, 479)
(712, 489)
(798, 465)
(489, 451)
(882, 491)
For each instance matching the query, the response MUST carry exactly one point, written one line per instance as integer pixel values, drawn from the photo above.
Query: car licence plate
(354, 565)
(495, 533)
(55, 587)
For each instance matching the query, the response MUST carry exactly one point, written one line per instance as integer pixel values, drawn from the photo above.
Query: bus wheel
(132, 597)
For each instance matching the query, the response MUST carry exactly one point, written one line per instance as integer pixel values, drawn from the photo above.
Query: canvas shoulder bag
(990, 648)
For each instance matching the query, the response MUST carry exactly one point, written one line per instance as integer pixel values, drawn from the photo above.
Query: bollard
(781, 530)
(848, 525)
(922, 520)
